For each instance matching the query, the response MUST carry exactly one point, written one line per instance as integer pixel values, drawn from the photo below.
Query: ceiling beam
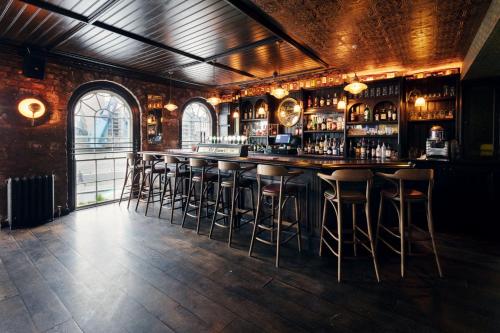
(89, 21)
(254, 12)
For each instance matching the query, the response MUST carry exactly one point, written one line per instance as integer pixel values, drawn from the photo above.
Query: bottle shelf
(326, 131)
(323, 109)
(374, 136)
(392, 122)
(254, 119)
(430, 120)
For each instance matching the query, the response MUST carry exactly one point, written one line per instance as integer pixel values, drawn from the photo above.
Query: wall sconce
(32, 108)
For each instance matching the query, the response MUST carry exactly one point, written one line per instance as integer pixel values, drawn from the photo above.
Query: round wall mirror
(289, 112)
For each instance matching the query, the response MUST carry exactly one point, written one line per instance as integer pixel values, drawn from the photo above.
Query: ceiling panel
(368, 34)
(28, 24)
(201, 27)
(82, 7)
(263, 60)
(203, 73)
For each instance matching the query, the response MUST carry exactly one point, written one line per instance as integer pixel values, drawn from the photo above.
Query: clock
(289, 112)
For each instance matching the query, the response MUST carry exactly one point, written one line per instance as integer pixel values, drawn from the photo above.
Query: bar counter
(299, 162)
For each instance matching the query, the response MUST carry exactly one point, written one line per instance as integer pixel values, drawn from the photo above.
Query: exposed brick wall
(26, 150)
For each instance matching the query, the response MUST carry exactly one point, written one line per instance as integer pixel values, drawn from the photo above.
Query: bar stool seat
(347, 196)
(274, 189)
(207, 177)
(409, 194)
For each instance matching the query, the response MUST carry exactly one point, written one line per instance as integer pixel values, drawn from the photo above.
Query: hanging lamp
(356, 86)
(279, 92)
(170, 106)
(214, 99)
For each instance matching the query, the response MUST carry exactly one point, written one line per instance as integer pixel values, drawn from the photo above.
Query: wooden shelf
(430, 120)
(373, 136)
(323, 109)
(256, 119)
(327, 131)
(372, 122)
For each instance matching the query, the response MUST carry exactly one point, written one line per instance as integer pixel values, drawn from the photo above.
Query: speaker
(34, 67)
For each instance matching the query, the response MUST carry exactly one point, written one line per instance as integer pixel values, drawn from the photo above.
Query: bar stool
(230, 210)
(402, 197)
(338, 196)
(179, 175)
(281, 192)
(205, 180)
(152, 171)
(133, 173)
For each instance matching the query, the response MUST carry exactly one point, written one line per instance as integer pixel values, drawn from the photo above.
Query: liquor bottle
(362, 153)
(309, 102)
(322, 101)
(383, 115)
(341, 148)
(309, 147)
(335, 148)
(323, 125)
(328, 100)
(335, 100)
(377, 116)
(388, 152)
(368, 150)
(374, 150)
(389, 113)
(394, 115)
(367, 113)
(330, 148)
(316, 147)
(383, 151)
(309, 124)
(316, 101)
(325, 146)
(378, 151)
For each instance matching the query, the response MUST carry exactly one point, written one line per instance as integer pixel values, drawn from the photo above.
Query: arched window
(196, 123)
(103, 136)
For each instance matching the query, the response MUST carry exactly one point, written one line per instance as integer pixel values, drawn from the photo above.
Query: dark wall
(26, 150)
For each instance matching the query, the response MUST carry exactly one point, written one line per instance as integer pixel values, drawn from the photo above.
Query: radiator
(30, 201)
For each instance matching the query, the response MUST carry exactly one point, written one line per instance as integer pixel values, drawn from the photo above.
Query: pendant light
(356, 86)
(170, 106)
(279, 92)
(214, 99)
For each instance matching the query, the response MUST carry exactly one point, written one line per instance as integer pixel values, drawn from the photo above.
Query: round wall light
(31, 108)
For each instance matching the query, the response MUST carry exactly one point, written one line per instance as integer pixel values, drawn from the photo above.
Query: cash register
(283, 145)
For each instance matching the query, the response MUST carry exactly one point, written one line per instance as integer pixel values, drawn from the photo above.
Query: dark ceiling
(238, 37)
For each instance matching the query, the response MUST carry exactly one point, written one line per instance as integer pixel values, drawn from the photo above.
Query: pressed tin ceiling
(156, 37)
(357, 35)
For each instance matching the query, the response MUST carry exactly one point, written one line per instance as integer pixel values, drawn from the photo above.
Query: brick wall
(26, 150)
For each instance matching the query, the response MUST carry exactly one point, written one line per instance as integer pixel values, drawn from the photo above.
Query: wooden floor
(108, 269)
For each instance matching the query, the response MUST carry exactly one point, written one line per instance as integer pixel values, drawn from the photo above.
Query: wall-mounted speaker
(34, 67)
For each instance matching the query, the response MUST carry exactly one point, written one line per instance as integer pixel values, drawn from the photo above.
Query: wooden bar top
(302, 162)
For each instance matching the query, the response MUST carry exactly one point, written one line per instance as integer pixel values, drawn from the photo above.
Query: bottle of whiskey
(366, 113)
(329, 151)
(328, 100)
(378, 151)
(383, 151)
(322, 101)
(394, 115)
(309, 102)
(323, 124)
(374, 150)
(383, 115)
(341, 148)
(362, 152)
(316, 101)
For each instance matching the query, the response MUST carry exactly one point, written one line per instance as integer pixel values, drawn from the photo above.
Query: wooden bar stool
(150, 191)
(280, 192)
(133, 174)
(338, 196)
(198, 174)
(229, 210)
(402, 198)
(179, 173)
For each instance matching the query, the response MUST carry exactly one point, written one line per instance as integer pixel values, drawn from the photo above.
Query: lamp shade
(31, 108)
(214, 100)
(420, 101)
(170, 106)
(236, 114)
(279, 92)
(341, 105)
(355, 87)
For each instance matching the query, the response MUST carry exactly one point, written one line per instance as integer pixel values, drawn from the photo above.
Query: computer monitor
(283, 138)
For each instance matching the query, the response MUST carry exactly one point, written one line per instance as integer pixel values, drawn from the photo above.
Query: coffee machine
(436, 145)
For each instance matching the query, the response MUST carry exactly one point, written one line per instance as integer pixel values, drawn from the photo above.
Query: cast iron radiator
(30, 201)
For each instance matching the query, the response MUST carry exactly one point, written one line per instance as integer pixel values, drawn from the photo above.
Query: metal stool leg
(354, 230)
(339, 236)
(322, 227)
(233, 207)
(254, 232)
(431, 232)
(372, 247)
(217, 203)
(190, 189)
(297, 219)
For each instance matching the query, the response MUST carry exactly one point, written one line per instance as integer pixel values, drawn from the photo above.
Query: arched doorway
(103, 130)
(198, 122)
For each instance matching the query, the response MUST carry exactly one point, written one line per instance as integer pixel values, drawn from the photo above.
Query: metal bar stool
(281, 192)
(230, 210)
(338, 196)
(152, 171)
(179, 175)
(403, 197)
(133, 173)
(205, 180)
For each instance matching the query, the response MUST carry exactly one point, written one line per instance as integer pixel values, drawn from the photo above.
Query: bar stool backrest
(415, 174)
(172, 159)
(272, 170)
(197, 163)
(228, 166)
(348, 176)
